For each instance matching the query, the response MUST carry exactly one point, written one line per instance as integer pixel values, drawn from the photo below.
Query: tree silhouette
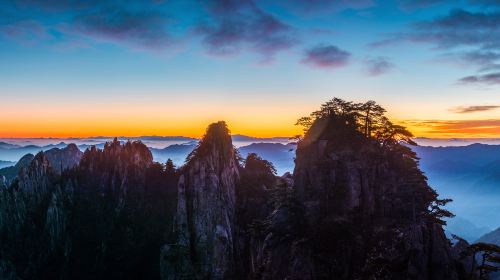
(490, 259)
(367, 118)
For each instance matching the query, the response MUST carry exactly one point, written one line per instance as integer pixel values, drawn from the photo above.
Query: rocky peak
(206, 209)
(24, 161)
(364, 205)
(65, 158)
(128, 154)
(117, 169)
(37, 176)
(216, 147)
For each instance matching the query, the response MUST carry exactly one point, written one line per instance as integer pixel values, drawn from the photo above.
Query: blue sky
(178, 65)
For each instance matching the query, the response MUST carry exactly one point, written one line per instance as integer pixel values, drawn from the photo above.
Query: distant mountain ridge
(491, 237)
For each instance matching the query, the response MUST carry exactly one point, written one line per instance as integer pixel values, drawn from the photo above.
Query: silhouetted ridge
(360, 205)
(12, 172)
(216, 140)
(205, 219)
(65, 158)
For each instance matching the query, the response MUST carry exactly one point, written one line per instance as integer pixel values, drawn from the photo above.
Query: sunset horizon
(250, 139)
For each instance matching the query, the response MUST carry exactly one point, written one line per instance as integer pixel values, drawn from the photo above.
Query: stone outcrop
(11, 172)
(75, 223)
(205, 219)
(364, 210)
(65, 158)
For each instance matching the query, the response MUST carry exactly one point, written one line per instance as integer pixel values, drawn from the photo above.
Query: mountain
(357, 210)
(355, 207)
(104, 218)
(15, 152)
(245, 138)
(60, 159)
(206, 212)
(4, 163)
(491, 237)
(176, 152)
(465, 229)
(470, 176)
(4, 145)
(281, 155)
(448, 142)
(12, 171)
(64, 158)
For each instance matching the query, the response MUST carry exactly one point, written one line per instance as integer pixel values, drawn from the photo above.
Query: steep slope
(32, 223)
(359, 210)
(64, 158)
(205, 219)
(491, 237)
(12, 171)
(103, 219)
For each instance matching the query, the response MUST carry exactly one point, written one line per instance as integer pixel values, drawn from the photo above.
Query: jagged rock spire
(206, 210)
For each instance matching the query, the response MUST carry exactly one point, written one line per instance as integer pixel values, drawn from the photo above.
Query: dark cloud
(409, 5)
(59, 5)
(481, 58)
(224, 26)
(139, 24)
(143, 27)
(457, 29)
(326, 56)
(486, 79)
(378, 65)
(235, 25)
(478, 32)
(314, 7)
(464, 20)
(473, 109)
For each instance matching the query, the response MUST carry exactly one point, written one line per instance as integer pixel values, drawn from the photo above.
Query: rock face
(12, 171)
(59, 159)
(105, 218)
(205, 219)
(66, 158)
(28, 222)
(364, 212)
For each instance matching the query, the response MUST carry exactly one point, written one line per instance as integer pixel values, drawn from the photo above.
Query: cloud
(470, 37)
(143, 28)
(409, 5)
(326, 56)
(138, 24)
(236, 25)
(378, 65)
(473, 109)
(24, 31)
(486, 79)
(451, 128)
(319, 7)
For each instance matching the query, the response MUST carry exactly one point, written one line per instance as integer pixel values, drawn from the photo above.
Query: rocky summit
(356, 207)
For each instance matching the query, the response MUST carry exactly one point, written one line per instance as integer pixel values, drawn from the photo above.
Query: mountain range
(470, 175)
(352, 208)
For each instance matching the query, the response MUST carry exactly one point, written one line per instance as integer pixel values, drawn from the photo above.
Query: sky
(74, 68)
